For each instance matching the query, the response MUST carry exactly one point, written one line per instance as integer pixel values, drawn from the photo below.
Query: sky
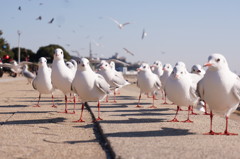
(177, 30)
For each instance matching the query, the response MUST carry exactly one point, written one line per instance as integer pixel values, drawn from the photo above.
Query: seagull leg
(188, 120)
(114, 101)
(153, 106)
(99, 118)
(211, 132)
(165, 99)
(175, 118)
(74, 100)
(37, 105)
(80, 120)
(226, 130)
(205, 108)
(54, 106)
(192, 113)
(66, 105)
(138, 106)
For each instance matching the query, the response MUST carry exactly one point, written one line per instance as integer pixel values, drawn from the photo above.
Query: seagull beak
(176, 76)
(138, 69)
(207, 64)
(199, 71)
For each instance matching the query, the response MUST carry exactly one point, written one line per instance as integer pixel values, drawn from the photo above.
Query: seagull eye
(181, 72)
(217, 60)
(144, 66)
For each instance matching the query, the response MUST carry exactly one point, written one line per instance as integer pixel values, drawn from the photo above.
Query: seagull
(220, 89)
(42, 82)
(14, 66)
(114, 79)
(120, 26)
(51, 21)
(39, 18)
(129, 52)
(157, 68)
(148, 82)
(62, 76)
(181, 90)
(20, 8)
(167, 70)
(89, 85)
(27, 74)
(144, 34)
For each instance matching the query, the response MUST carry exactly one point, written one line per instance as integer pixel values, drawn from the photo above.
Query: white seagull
(115, 80)
(220, 89)
(148, 82)
(144, 34)
(14, 66)
(167, 70)
(120, 26)
(62, 76)
(157, 68)
(42, 82)
(89, 85)
(181, 90)
(27, 74)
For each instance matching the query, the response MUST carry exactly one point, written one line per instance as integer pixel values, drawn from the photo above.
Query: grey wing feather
(102, 84)
(29, 75)
(236, 89)
(118, 80)
(158, 83)
(200, 89)
(34, 84)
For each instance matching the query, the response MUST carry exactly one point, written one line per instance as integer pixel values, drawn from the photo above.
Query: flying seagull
(120, 26)
(20, 8)
(144, 34)
(39, 18)
(51, 21)
(129, 52)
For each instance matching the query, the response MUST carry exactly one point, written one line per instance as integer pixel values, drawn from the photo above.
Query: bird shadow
(133, 121)
(144, 114)
(71, 142)
(156, 133)
(35, 121)
(27, 112)
(139, 110)
(12, 106)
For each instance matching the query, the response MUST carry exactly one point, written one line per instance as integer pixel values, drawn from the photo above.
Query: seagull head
(42, 61)
(157, 64)
(83, 64)
(180, 63)
(112, 65)
(105, 65)
(216, 62)
(58, 55)
(178, 72)
(167, 67)
(144, 67)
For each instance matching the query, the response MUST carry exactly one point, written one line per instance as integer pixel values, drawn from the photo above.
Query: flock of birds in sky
(218, 87)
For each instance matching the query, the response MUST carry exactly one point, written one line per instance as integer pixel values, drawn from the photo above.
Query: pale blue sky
(186, 30)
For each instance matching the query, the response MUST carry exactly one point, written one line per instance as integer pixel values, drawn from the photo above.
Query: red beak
(207, 64)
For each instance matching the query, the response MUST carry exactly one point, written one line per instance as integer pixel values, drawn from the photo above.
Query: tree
(5, 47)
(48, 52)
(26, 54)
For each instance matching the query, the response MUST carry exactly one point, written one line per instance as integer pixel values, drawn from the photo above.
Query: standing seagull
(27, 74)
(220, 89)
(181, 90)
(42, 83)
(120, 26)
(114, 79)
(148, 82)
(62, 76)
(89, 85)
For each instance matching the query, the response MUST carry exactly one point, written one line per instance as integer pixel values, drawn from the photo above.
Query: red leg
(211, 132)
(138, 106)
(74, 100)
(66, 105)
(188, 120)
(205, 107)
(165, 99)
(114, 101)
(53, 102)
(175, 118)
(99, 118)
(226, 132)
(153, 98)
(192, 113)
(37, 105)
(80, 120)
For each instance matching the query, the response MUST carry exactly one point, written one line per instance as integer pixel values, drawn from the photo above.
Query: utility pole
(90, 51)
(19, 52)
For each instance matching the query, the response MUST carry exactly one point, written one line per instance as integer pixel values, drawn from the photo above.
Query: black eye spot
(217, 60)
(106, 65)
(144, 66)
(181, 72)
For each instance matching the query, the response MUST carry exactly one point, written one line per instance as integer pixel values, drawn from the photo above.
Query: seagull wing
(128, 51)
(6, 65)
(102, 84)
(125, 23)
(115, 21)
(118, 61)
(200, 89)
(236, 89)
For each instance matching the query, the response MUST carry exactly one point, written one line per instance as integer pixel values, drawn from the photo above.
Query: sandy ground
(32, 132)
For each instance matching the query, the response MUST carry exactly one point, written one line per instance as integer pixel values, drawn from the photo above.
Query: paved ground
(30, 132)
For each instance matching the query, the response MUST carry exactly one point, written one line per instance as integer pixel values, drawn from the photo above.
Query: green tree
(5, 47)
(48, 51)
(26, 54)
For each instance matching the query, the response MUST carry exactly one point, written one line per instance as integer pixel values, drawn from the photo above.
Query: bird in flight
(120, 26)
(20, 8)
(129, 52)
(144, 34)
(39, 18)
(51, 21)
